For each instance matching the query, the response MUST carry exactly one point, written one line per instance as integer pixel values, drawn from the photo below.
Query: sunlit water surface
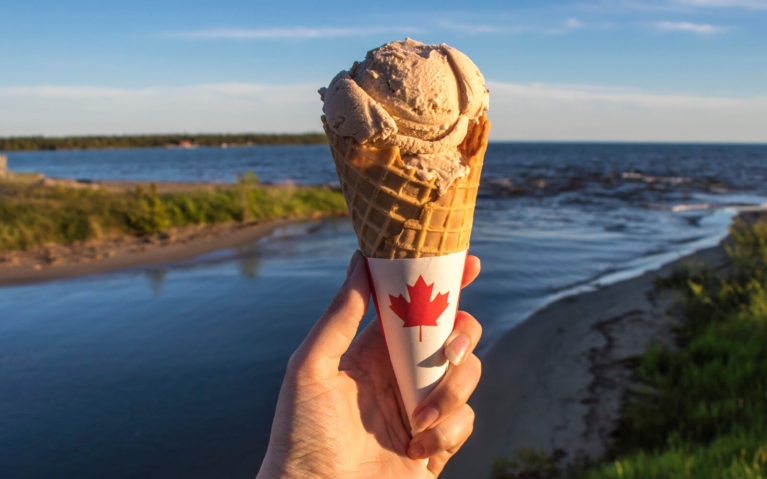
(173, 370)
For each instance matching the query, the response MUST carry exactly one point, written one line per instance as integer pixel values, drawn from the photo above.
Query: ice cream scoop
(419, 98)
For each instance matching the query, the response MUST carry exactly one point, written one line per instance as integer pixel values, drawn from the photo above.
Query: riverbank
(552, 387)
(46, 263)
(57, 228)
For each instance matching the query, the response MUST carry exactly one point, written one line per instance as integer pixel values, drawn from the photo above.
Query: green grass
(526, 463)
(33, 215)
(701, 411)
(731, 457)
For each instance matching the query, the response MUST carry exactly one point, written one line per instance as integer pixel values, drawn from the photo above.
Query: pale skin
(339, 414)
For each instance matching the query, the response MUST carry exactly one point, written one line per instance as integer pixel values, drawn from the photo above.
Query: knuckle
(457, 392)
(470, 423)
(478, 327)
(441, 440)
(295, 361)
(471, 326)
(465, 429)
(470, 415)
(476, 365)
(298, 364)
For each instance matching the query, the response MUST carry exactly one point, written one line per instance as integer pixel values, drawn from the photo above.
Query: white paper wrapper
(416, 301)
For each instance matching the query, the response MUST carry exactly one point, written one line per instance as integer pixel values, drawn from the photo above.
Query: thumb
(328, 340)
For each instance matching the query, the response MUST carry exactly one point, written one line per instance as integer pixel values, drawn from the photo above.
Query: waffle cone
(396, 214)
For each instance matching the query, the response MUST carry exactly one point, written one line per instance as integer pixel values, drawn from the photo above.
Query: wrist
(279, 468)
(283, 468)
(271, 469)
(268, 471)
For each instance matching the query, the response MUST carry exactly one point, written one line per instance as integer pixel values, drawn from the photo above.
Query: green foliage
(149, 214)
(32, 215)
(701, 411)
(749, 247)
(248, 178)
(728, 457)
(526, 463)
(19, 143)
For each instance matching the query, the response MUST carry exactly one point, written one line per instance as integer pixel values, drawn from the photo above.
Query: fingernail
(457, 349)
(425, 418)
(416, 451)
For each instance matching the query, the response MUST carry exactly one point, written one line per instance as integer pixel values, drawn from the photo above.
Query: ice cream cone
(396, 214)
(413, 237)
(408, 134)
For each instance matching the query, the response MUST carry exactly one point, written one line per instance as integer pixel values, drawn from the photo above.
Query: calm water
(173, 370)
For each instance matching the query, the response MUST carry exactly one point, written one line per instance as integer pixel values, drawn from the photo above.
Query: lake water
(173, 370)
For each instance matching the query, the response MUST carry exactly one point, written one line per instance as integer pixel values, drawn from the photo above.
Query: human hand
(339, 412)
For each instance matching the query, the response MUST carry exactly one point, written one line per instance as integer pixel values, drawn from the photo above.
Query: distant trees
(19, 143)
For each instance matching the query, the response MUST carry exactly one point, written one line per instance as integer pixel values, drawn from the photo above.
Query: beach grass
(33, 214)
(701, 409)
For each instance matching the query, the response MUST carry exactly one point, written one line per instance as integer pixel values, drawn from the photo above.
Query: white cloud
(566, 112)
(300, 32)
(669, 5)
(690, 27)
(573, 23)
(518, 111)
(751, 4)
(511, 29)
(285, 32)
(474, 28)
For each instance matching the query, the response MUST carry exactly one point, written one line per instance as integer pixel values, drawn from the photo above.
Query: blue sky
(666, 70)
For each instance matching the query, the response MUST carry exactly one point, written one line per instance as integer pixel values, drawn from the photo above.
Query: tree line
(19, 143)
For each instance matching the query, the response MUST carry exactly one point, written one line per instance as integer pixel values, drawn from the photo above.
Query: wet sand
(555, 382)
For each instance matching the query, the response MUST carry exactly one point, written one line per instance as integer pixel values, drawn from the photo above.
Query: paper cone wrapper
(416, 300)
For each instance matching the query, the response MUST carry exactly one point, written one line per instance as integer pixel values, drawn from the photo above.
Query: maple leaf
(421, 310)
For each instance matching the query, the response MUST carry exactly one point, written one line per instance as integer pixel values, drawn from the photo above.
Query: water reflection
(156, 277)
(249, 261)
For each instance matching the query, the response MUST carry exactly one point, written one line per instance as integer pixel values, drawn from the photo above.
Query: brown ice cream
(417, 97)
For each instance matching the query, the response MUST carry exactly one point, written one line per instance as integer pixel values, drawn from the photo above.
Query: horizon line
(316, 133)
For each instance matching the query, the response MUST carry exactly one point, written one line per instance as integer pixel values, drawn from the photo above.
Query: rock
(168, 236)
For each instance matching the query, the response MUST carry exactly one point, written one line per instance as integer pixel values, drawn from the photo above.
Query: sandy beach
(554, 383)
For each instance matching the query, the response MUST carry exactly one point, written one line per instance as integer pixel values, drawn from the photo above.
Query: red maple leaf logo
(421, 310)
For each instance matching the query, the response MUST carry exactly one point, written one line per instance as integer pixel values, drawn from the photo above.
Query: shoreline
(111, 252)
(554, 383)
(53, 262)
